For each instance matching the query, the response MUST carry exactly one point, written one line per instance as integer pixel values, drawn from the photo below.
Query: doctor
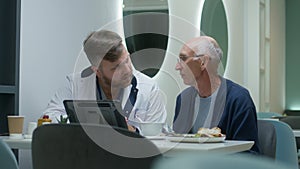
(111, 76)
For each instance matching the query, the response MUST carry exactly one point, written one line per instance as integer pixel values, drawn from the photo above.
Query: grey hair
(206, 45)
(215, 50)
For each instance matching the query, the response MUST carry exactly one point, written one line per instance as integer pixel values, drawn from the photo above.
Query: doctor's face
(117, 73)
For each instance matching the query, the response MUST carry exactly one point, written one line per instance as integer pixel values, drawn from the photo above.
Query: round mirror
(214, 24)
(146, 29)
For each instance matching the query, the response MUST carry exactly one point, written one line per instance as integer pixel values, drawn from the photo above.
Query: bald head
(205, 45)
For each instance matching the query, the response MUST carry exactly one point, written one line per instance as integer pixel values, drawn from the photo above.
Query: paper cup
(31, 127)
(15, 125)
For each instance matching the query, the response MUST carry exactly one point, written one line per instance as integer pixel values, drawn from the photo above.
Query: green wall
(292, 55)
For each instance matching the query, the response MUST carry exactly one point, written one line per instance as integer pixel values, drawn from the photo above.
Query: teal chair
(294, 123)
(217, 161)
(263, 115)
(7, 157)
(277, 141)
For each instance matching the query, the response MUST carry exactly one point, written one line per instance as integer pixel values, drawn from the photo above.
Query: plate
(188, 138)
(156, 137)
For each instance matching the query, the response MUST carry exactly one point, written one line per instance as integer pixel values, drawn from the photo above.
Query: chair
(7, 157)
(267, 138)
(291, 112)
(294, 123)
(75, 146)
(277, 141)
(217, 161)
(263, 115)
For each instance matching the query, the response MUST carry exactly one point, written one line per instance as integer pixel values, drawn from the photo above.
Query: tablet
(95, 112)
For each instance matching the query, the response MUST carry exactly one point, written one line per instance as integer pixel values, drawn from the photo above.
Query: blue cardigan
(238, 120)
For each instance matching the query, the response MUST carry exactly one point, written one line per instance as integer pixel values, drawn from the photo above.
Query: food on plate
(214, 132)
(207, 132)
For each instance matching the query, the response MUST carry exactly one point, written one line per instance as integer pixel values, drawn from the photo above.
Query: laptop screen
(95, 112)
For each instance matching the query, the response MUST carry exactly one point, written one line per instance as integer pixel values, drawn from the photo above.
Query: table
(17, 143)
(165, 146)
(227, 147)
(296, 133)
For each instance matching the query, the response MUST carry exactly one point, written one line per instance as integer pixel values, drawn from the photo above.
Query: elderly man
(211, 100)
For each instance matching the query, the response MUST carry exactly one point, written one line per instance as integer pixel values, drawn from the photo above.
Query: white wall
(243, 46)
(235, 18)
(52, 32)
(252, 49)
(243, 54)
(277, 61)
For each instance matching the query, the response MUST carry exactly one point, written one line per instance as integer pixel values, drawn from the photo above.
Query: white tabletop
(165, 146)
(296, 133)
(17, 143)
(228, 146)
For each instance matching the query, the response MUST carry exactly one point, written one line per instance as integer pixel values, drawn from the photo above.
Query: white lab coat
(149, 105)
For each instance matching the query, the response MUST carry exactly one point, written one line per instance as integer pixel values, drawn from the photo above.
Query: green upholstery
(263, 115)
(7, 157)
(294, 123)
(285, 144)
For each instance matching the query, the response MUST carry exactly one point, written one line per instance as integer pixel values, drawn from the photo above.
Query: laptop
(95, 112)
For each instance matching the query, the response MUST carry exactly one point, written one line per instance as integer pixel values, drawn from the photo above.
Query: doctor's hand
(131, 128)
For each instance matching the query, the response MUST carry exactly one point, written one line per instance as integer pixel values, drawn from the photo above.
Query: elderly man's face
(118, 73)
(188, 67)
